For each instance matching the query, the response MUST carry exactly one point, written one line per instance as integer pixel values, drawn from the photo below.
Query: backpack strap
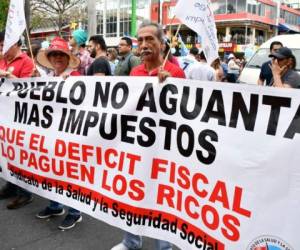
(129, 63)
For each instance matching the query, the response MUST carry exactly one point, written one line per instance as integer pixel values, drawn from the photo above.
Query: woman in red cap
(59, 59)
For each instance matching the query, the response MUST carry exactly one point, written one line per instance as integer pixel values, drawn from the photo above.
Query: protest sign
(197, 15)
(203, 165)
(15, 24)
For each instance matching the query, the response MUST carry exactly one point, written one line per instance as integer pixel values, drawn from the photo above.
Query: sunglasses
(57, 53)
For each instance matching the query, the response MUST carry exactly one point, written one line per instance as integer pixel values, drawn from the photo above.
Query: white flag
(15, 24)
(197, 15)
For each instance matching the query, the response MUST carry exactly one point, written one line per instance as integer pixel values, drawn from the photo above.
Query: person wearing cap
(77, 43)
(127, 61)
(15, 64)
(59, 59)
(283, 69)
(233, 69)
(266, 75)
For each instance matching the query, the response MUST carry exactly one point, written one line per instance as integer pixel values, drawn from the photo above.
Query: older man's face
(150, 46)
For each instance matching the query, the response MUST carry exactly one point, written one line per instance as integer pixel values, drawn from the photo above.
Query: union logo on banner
(268, 242)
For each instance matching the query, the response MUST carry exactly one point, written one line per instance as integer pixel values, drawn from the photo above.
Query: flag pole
(29, 43)
(177, 31)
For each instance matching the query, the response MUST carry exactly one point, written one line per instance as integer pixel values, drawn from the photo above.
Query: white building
(292, 3)
(113, 18)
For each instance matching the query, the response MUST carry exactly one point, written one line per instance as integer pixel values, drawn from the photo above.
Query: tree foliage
(59, 12)
(4, 4)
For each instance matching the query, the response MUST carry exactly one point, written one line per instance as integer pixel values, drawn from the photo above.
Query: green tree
(3, 13)
(59, 12)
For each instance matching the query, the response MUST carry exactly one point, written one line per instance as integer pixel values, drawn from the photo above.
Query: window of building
(111, 18)
(125, 15)
(252, 7)
(231, 6)
(270, 11)
(219, 6)
(221, 34)
(99, 16)
(238, 35)
(241, 5)
(261, 9)
(260, 37)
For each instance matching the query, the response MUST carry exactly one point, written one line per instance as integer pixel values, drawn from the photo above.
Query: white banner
(203, 165)
(15, 24)
(198, 15)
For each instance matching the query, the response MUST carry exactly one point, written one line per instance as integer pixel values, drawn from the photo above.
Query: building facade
(240, 23)
(295, 4)
(114, 17)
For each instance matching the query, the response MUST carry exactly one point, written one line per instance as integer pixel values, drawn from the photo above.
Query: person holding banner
(15, 64)
(59, 59)
(151, 45)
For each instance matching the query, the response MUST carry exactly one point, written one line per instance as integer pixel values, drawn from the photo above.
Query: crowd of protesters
(82, 56)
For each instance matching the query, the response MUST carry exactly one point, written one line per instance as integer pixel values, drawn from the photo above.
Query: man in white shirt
(201, 70)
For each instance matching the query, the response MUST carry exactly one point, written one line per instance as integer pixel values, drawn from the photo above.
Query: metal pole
(133, 18)
(105, 19)
(92, 26)
(158, 12)
(246, 33)
(27, 13)
(118, 19)
(277, 16)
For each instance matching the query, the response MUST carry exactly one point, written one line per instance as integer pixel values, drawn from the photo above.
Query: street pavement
(20, 230)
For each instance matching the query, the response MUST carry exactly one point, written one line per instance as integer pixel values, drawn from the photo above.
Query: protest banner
(203, 165)
(198, 16)
(15, 24)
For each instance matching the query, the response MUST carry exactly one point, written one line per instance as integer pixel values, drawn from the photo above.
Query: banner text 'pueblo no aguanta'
(205, 165)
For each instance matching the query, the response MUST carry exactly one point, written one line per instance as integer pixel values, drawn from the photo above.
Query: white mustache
(145, 52)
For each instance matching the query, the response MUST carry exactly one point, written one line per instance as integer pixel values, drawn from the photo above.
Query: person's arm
(261, 79)
(212, 75)
(7, 74)
(260, 82)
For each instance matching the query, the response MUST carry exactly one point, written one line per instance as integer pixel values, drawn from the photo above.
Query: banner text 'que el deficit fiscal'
(204, 165)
